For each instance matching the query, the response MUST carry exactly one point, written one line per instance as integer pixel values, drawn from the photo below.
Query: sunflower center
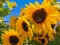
(13, 40)
(43, 41)
(39, 16)
(24, 25)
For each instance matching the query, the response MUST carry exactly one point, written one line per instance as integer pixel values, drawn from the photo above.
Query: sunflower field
(37, 23)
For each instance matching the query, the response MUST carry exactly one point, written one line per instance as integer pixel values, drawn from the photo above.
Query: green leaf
(56, 41)
(0, 37)
(56, 37)
(0, 6)
(2, 1)
(4, 12)
(58, 29)
(11, 4)
(57, 4)
(55, 1)
(33, 42)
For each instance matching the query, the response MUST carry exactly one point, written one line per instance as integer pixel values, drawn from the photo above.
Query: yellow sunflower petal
(50, 36)
(44, 30)
(53, 21)
(52, 10)
(37, 5)
(58, 18)
(46, 4)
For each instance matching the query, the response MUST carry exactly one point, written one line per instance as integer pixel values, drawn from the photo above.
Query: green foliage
(56, 40)
(57, 37)
(4, 12)
(33, 42)
(55, 1)
(58, 29)
(2, 1)
(0, 37)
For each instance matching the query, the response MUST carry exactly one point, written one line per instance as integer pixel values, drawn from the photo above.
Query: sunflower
(42, 16)
(42, 41)
(22, 12)
(23, 27)
(13, 21)
(11, 37)
(58, 18)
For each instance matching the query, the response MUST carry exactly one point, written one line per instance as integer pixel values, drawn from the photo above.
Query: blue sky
(20, 4)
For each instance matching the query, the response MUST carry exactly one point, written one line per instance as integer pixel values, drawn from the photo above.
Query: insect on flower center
(24, 25)
(39, 16)
(13, 40)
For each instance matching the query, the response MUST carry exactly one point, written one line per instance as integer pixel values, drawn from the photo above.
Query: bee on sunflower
(23, 27)
(42, 16)
(11, 37)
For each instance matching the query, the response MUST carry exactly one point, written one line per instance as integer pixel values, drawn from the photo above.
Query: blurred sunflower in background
(22, 12)
(42, 16)
(23, 27)
(41, 40)
(13, 20)
(11, 37)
